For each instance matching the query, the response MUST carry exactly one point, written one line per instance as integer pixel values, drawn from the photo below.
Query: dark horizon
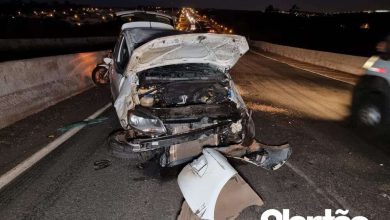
(251, 5)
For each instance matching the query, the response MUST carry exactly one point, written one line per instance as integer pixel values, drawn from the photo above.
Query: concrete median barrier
(48, 43)
(341, 62)
(31, 85)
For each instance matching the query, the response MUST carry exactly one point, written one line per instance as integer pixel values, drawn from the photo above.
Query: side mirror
(107, 61)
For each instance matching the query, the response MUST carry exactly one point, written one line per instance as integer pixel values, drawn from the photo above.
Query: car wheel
(98, 76)
(371, 112)
(119, 147)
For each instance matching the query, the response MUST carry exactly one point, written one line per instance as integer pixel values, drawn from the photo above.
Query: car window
(121, 56)
(116, 49)
(164, 20)
(147, 17)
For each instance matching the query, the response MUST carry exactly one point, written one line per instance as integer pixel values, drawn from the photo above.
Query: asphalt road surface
(332, 165)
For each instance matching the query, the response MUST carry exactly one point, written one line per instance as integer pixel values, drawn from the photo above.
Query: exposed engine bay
(183, 108)
(188, 100)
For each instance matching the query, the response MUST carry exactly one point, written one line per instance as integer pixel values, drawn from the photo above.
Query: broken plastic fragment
(268, 157)
(101, 164)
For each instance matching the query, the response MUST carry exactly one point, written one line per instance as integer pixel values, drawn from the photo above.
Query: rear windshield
(147, 17)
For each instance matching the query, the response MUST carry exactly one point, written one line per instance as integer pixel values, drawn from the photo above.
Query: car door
(121, 58)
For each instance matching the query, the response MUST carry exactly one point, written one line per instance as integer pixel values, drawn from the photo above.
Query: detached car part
(213, 189)
(258, 154)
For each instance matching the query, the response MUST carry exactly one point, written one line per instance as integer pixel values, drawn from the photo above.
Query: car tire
(371, 112)
(118, 147)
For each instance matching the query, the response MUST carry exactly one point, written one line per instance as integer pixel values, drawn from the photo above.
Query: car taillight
(378, 70)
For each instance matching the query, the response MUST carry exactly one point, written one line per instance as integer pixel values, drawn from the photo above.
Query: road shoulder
(323, 71)
(25, 137)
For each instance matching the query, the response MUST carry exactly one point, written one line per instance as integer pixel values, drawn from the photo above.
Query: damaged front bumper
(180, 147)
(147, 144)
(213, 189)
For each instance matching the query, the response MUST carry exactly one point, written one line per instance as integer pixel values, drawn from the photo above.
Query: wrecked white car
(176, 101)
(174, 96)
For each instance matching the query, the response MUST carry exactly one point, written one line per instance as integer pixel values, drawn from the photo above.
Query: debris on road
(213, 189)
(269, 158)
(101, 164)
(82, 123)
(259, 154)
(384, 195)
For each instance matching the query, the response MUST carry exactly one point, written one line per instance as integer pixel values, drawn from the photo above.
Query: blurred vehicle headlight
(370, 62)
(151, 126)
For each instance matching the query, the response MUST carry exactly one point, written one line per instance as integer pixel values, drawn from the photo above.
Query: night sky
(309, 5)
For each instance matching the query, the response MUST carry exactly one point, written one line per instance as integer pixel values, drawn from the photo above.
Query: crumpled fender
(127, 99)
(209, 179)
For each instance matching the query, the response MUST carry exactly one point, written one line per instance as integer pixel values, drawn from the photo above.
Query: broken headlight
(147, 125)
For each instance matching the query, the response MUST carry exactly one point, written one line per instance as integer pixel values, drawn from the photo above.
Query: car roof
(134, 12)
(131, 12)
(146, 24)
(146, 16)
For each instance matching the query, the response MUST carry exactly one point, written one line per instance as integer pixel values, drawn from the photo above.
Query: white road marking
(8, 177)
(333, 199)
(292, 65)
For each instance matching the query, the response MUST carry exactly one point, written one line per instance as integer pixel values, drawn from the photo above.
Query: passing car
(173, 94)
(371, 97)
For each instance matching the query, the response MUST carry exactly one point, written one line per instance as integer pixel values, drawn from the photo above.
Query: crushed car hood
(220, 50)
